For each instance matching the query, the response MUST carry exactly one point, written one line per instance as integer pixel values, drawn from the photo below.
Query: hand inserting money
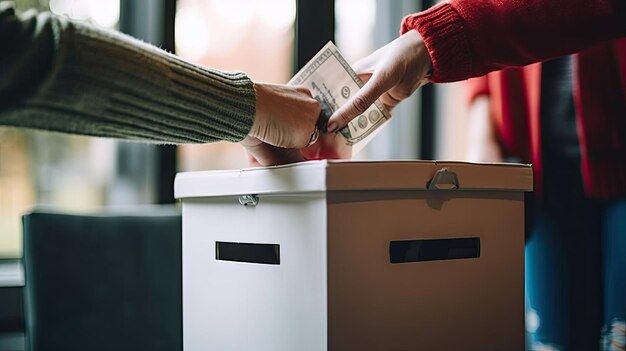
(393, 73)
(332, 82)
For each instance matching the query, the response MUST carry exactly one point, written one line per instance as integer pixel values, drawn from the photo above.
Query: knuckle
(360, 104)
(304, 90)
(302, 141)
(316, 107)
(345, 118)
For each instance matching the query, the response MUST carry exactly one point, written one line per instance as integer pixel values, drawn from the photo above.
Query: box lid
(327, 175)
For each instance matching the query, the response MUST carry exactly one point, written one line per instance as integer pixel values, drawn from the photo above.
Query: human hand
(391, 73)
(328, 146)
(263, 154)
(285, 116)
(284, 122)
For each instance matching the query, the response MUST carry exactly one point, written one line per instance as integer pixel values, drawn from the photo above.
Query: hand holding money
(392, 74)
(284, 123)
(285, 116)
(263, 154)
(333, 83)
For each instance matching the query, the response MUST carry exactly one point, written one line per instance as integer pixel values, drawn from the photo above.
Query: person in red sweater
(575, 242)
(462, 39)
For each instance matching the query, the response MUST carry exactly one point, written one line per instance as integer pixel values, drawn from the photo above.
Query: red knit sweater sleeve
(468, 38)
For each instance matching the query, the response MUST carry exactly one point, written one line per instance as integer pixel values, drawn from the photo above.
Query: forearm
(482, 143)
(62, 76)
(469, 38)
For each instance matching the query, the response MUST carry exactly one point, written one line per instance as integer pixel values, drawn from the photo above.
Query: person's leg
(546, 292)
(564, 268)
(586, 296)
(614, 331)
(563, 283)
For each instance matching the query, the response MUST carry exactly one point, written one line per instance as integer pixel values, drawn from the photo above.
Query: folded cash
(332, 82)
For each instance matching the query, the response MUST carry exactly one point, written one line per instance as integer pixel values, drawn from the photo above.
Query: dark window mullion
(428, 112)
(153, 21)
(166, 155)
(315, 26)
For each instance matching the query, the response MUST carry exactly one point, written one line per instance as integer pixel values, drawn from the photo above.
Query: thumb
(360, 102)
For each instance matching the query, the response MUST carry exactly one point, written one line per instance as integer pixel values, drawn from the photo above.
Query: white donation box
(325, 255)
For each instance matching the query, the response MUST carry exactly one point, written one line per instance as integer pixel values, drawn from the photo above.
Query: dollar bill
(332, 82)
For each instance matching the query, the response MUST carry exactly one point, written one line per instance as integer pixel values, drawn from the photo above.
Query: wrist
(259, 92)
(425, 59)
(422, 65)
(445, 39)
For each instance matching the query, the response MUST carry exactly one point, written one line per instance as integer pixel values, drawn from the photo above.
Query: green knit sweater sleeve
(62, 76)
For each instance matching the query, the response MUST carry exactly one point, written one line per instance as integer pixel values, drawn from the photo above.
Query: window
(37, 168)
(256, 37)
(362, 26)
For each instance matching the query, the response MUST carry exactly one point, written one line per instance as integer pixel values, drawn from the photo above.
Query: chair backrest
(104, 282)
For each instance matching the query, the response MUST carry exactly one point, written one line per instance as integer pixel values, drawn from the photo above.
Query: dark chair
(105, 282)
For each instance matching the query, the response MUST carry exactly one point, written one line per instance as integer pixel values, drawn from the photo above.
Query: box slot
(405, 251)
(247, 252)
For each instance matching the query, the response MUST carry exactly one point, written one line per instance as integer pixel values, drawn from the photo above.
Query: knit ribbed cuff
(444, 35)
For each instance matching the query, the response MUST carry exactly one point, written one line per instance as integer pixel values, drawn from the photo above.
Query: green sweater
(63, 76)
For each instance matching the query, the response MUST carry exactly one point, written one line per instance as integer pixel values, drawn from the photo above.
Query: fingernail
(332, 127)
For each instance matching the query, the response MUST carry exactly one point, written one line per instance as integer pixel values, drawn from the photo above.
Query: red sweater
(469, 38)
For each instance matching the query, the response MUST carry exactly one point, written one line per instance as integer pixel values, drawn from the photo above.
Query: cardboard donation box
(324, 255)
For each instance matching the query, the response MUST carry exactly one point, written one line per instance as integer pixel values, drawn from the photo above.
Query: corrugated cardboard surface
(463, 304)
